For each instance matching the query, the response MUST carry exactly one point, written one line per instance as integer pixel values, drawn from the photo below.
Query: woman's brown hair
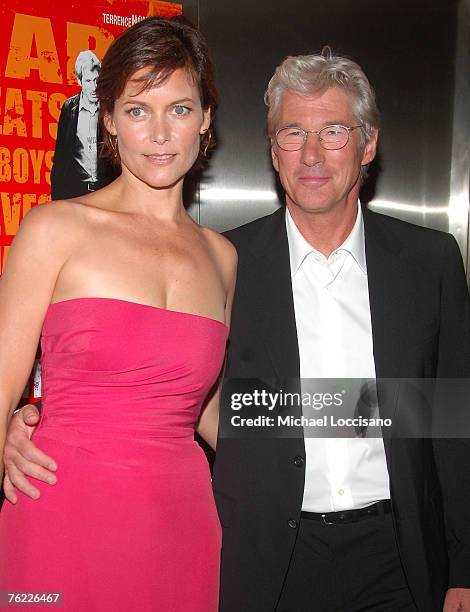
(162, 46)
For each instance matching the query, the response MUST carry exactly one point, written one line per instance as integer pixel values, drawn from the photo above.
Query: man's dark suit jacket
(420, 315)
(68, 176)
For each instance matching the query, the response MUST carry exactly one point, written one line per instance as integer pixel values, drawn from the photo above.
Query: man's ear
(274, 157)
(370, 148)
(109, 124)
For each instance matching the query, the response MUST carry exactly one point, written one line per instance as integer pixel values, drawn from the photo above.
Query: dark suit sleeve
(453, 455)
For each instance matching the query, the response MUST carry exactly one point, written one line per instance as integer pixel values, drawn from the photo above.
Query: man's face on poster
(89, 78)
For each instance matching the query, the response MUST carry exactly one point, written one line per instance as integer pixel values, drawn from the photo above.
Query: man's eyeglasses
(330, 137)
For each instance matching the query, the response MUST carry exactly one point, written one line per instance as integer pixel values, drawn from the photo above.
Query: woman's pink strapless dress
(131, 523)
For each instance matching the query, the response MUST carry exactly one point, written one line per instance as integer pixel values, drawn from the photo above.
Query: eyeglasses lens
(333, 136)
(290, 139)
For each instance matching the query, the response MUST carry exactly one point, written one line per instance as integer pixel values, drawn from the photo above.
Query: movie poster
(50, 56)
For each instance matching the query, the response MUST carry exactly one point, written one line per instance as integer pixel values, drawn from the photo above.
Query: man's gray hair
(311, 74)
(86, 59)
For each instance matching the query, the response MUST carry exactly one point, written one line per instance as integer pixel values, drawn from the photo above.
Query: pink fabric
(131, 523)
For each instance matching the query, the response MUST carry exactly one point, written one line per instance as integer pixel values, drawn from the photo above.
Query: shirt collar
(299, 248)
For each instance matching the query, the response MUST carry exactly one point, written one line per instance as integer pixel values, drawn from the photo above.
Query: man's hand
(22, 458)
(457, 600)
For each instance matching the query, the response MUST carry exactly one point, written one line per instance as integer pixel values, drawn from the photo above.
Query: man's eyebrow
(292, 124)
(324, 124)
(336, 122)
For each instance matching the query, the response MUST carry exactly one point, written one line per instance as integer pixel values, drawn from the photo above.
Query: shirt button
(292, 523)
(341, 492)
(298, 461)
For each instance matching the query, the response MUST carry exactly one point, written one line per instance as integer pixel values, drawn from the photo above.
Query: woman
(133, 300)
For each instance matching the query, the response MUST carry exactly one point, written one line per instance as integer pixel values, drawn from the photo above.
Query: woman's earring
(204, 151)
(113, 142)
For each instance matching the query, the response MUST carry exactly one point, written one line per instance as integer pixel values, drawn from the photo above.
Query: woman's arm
(35, 259)
(209, 420)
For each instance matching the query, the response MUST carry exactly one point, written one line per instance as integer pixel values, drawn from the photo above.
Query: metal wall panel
(415, 53)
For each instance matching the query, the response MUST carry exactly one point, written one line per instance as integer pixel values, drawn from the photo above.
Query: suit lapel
(388, 295)
(389, 308)
(271, 286)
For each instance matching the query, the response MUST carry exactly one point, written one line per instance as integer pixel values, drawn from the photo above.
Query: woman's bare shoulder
(225, 257)
(223, 248)
(60, 214)
(55, 212)
(51, 227)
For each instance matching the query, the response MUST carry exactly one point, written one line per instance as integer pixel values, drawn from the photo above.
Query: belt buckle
(325, 522)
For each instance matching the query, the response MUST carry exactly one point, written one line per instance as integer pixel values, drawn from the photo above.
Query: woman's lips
(161, 158)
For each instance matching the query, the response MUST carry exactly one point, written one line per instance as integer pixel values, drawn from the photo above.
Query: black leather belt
(350, 516)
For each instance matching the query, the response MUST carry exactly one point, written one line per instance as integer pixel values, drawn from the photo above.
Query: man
(327, 290)
(77, 167)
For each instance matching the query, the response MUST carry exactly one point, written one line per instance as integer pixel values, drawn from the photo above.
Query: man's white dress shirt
(332, 313)
(87, 127)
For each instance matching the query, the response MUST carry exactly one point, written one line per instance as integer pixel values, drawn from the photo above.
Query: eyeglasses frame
(317, 133)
